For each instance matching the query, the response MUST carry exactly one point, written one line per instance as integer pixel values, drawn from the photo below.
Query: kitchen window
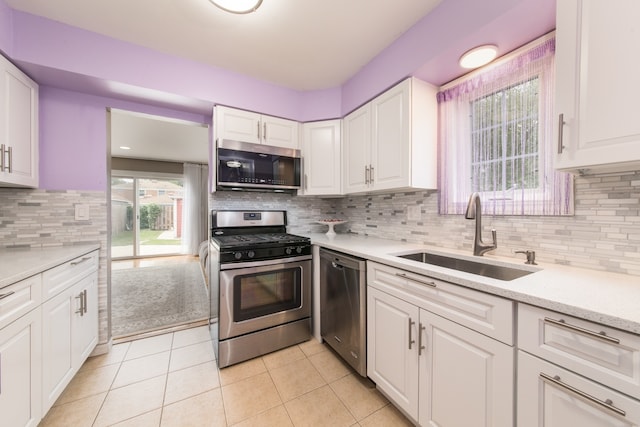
(496, 138)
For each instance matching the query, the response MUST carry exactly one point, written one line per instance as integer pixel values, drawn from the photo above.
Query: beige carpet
(150, 298)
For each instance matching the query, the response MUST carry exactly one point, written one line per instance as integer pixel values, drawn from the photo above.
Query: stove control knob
(237, 255)
(299, 249)
(288, 251)
(251, 254)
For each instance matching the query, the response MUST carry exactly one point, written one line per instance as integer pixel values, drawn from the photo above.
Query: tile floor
(173, 380)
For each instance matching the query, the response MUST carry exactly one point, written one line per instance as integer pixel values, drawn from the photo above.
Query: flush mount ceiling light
(238, 6)
(478, 56)
(122, 147)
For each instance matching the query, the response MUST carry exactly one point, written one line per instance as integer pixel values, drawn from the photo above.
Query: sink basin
(487, 270)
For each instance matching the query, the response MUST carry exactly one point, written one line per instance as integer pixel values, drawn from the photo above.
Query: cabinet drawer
(485, 313)
(19, 299)
(61, 277)
(604, 354)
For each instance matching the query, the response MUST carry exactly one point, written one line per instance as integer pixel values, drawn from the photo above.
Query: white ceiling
(300, 44)
(158, 138)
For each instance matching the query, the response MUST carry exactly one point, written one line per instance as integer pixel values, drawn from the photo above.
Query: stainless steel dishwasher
(343, 314)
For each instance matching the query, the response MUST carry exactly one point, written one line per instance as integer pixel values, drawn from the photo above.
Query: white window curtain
(496, 138)
(194, 207)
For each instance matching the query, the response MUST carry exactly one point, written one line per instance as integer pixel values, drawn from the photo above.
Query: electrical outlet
(82, 212)
(414, 213)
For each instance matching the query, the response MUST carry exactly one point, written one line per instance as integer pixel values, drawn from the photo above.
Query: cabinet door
(57, 341)
(356, 149)
(20, 371)
(595, 89)
(18, 128)
(280, 132)
(85, 328)
(466, 378)
(237, 125)
(321, 154)
(392, 353)
(551, 396)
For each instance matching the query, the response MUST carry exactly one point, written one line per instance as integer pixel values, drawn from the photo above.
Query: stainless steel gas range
(260, 285)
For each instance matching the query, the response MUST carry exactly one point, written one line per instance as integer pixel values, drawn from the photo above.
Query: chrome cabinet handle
(608, 404)
(1, 157)
(8, 294)
(561, 124)
(599, 335)
(371, 174)
(264, 131)
(84, 258)
(84, 299)
(404, 276)
(80, 311)
(258, 130)
(411, 340)
(10, 162)
(366, 175)
(420, 346)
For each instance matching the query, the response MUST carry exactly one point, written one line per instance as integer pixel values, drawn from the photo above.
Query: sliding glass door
(146, 215)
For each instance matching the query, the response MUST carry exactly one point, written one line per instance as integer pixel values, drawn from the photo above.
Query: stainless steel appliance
(257, 167)
(260, 285)
(343, 311)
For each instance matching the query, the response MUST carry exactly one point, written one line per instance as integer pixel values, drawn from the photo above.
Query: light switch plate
(82, 212)
(414, 213)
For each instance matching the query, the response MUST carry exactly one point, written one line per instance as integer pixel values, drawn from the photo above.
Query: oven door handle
(262, 263)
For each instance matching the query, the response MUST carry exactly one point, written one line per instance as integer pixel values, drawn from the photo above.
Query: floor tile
(150, 419)
(313, 346)
(283, 357)
(274, 417)
(87, 383)
(246, 398)
(148, 346)
(191, 381)
(361, 398)
(191, 355)
(131, 400)
(330, 366)
(79, 413)
(321, 407)
(387, 416)
(234, 373)
(142, 368)
(191, 336)
(296, 378)
(203, 410)
(114, 356)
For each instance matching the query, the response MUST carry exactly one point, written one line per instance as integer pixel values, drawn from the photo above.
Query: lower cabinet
(436, 371)
(70, 333)
(20, 371)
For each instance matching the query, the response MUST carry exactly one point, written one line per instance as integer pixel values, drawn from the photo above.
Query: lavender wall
(73, 137)
(6, 29)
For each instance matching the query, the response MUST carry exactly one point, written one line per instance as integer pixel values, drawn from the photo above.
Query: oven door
(253, 298)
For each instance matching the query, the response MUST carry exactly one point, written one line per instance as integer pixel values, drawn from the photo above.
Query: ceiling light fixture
(238, 6)
(478, 56)
(122, 147)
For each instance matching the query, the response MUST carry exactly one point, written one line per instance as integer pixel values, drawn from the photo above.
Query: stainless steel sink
(479, 268)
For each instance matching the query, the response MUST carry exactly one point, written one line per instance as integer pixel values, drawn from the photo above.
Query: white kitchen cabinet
(70, 329)
(21, 370)
(430, 366)
(322, 160)
(596, 92)
(551, 396)
(18, 128)
(246, 126)
(390, 143)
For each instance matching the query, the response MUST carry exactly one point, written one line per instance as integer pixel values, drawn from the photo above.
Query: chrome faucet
(474, 211)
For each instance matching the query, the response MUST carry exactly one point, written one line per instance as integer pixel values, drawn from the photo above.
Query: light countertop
(607, 298)
(18, 264)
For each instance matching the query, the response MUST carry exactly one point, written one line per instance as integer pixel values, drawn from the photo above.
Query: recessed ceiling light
(238, 6)
(478, 56)
(122, 147)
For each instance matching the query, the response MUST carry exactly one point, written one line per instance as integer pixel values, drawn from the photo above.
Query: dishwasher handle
(341, 261)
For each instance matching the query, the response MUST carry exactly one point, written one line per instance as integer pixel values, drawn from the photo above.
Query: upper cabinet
(596, 88)
(390, 143)
(247, 126)
(321, 154)
(18, 128)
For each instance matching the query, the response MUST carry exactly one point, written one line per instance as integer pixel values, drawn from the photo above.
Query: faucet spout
(474, 211)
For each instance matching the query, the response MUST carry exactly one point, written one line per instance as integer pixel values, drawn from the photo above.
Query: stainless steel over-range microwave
(246, 166)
